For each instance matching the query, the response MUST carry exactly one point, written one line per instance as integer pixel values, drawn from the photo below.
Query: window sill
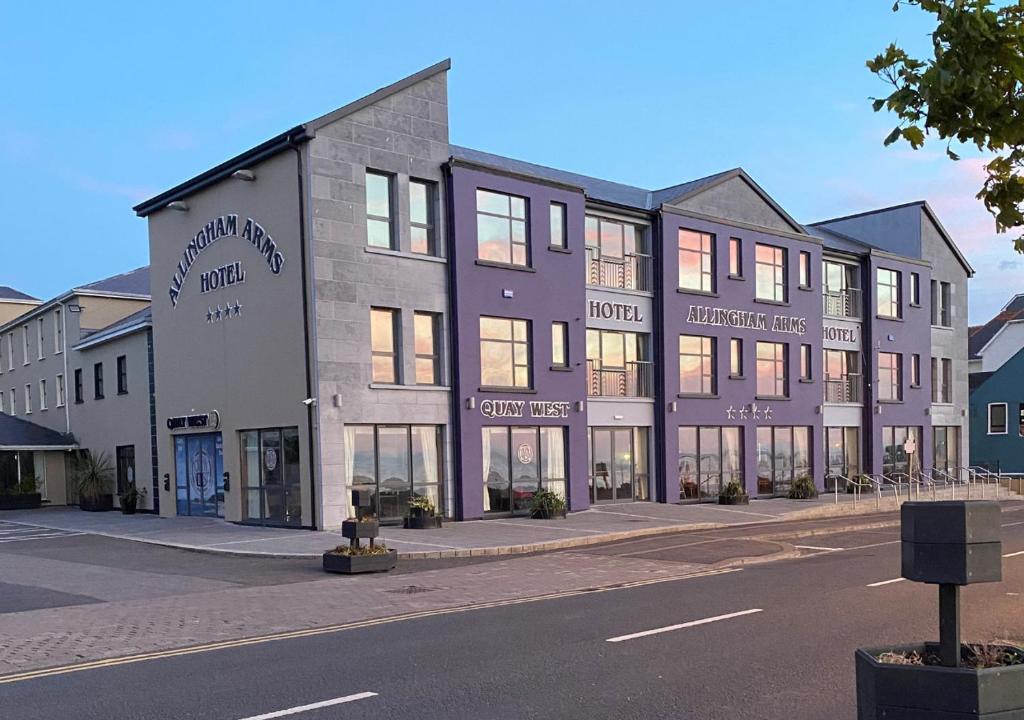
(805, 381)
(805, 288)
(404, 254)
(390, 386)
(496, 389)
(889, 402)
(702, 293)
(915, 305)
(890, 319)
(737, 377)
(122, 392)
(767, 301)
(559, 249)
(997, 433)
(942, 327)
(736, 277)
(98, 397)
(505, 266)
(559, 368)
(697, 396)
(773, 398)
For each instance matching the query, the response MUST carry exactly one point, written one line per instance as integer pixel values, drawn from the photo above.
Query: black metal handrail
(633, 271)
(633, 380)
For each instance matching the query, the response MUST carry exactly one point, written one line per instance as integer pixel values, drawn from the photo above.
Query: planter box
(354, 564)
(28, 501)
(545, 515)
(734, 500)
(364, 530)
(421, 522)
(102, 503)
(917, 692)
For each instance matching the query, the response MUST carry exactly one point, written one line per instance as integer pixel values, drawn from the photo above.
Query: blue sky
(106, 105)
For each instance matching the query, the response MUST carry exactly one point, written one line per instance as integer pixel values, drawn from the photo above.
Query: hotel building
(357, 303)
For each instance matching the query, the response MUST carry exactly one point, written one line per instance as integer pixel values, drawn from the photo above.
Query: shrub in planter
(422, 515)
(354, 559)
(360, 528)
(130, 497)
(21, 496)
(94, 475)
(545, 505)
(803, 489)
(733, 494)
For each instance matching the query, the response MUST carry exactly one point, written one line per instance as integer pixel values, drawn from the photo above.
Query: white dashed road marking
(680, 626)
(886, 582)
(312, 706)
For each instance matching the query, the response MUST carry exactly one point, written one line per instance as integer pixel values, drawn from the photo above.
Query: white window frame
(61, 390)
(1006, 418)
(28, 398)
(42, 394)
(24, 344)
(10, 350)
(14, 402)
(58, 332)
(3, 401)
(39, 334)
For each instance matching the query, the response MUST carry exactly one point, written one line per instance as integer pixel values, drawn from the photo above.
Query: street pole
(949, 624)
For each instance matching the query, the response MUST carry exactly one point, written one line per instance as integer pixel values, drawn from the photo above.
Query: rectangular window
(559, 234)
(915, 289)
(805, 270)
(39, 336)
(842, 376)
(709, 459)
(697, 374)
(79, 393)
(946, 449)
(783, 455)
(422, 204)
(997, 419)
(696, 261)
(841, 283)
(915, 370)
(842, 455)
(889, 295)
(617, 364)
(735, 257)
(617, 255)
(942, 380)
(427, 330)
(518, 461)
(805, 363)
(58, 332)
(122, 375)
(940, 304)
(24, 345)
(896, 440)
(736, 358)
(504, 352)
(271, 491)
(10, 350)
(3, 399)
(560, 344)
(61, 390)
(770, 273)
(379, 228)
(384, 332)
(42, 394)
(501, 230)
(97, 381)
(890, 376)
(772, 376)
(14, 402)
(28, 399)
(1, 355)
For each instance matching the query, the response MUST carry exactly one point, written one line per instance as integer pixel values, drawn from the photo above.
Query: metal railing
(842, 303)
(633, 380)
(843, 389)
(633, 271)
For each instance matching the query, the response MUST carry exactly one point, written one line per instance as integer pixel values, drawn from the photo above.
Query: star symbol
(743, 413)
(754, 410)
(768, 412)
(731, 413)
(217, 313)
(209, 315)
(237, 309)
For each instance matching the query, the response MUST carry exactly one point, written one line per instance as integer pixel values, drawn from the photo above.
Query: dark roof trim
(742, 174)
(682, 212)
(494, 170)
(290, 138)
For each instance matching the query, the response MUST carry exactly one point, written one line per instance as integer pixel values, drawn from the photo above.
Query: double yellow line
(292, 634)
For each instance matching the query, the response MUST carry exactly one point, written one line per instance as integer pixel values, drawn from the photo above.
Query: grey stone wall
(405, 134)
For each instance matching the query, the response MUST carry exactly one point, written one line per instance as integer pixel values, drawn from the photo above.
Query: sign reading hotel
(746, 319)
(517, 408)
(601, 310)
(232, 273)
(836, 333)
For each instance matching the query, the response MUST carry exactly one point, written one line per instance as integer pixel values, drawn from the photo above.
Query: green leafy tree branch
(971, 92)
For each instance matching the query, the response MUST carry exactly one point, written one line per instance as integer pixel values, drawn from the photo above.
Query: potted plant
(355, 559)
(422, 515)
(93, 475)
(803, 489)
(546, 504)
(733, 494)
(130, 497)
(21, 496)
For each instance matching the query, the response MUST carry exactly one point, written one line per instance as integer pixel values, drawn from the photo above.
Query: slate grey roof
(833, 240)
(9, 293)
(18, 434)
(980, 335)
(133, 282)
(136, 321)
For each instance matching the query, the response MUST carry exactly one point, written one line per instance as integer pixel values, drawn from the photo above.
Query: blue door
(199, 469)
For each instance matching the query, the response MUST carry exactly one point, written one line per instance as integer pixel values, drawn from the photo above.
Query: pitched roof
(9, 293)
(835, 240)
(980, 335)
(976, 379)
(289, 138)
(125, 326)
(133, 282)
(18, 434)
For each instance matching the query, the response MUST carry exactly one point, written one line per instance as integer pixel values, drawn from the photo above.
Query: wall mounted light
(673, 406)
(337, 399)
(470, 403)
(506, 293)
(177, 205)
(246, 175)
(74, 308)
(618, 417)
(817, 409)
(579, 406)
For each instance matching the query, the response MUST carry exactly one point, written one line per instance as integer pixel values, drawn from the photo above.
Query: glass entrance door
(199, 469)
(615, 474)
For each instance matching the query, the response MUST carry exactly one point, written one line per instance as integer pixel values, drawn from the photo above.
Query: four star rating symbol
(216, 314)
(750, 411)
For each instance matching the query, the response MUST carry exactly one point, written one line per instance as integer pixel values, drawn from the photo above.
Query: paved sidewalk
(507, 536)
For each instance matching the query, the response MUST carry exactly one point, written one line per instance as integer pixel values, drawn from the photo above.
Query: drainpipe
(64, 352)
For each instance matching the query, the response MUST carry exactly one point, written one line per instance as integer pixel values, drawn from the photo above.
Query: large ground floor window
(270, 476)
(783, 455)
(16, 466)
(946, 446)
(709, 459)
(895, 458)
(393, 463)
(619, 466)
(517, 461)
(842, 455)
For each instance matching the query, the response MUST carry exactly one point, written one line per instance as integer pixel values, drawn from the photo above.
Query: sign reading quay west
(516, 408)
(724, 317)
(220, 227)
